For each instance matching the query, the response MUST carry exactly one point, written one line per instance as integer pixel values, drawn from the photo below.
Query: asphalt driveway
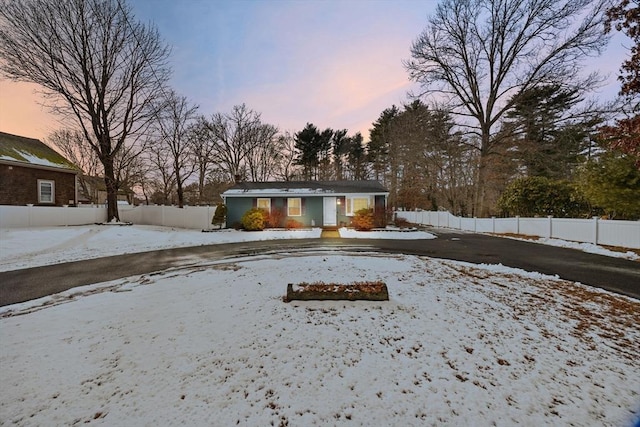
(613, 274)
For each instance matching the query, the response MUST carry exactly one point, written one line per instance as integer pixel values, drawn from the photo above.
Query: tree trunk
(180, 192)
(112, 190)
(481, 183)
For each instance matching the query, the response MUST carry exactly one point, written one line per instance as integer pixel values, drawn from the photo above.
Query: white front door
(330, 213)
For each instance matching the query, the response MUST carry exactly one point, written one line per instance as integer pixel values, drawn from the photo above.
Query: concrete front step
(329, 233)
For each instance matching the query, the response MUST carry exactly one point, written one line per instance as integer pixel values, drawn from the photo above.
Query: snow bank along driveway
(457, 344)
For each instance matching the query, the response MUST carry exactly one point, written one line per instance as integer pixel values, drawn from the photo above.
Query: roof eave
(34, 166)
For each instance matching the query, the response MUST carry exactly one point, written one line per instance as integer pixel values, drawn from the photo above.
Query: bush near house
(363, 220)
(292, 224)
(401, 222)
(220, 215)
(275, 218)
(382, 217)
(254, 219)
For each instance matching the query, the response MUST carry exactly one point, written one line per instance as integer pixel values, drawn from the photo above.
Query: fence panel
(573, 229)
(468, 224)
(534, 227)
(44, 216)
(619, 233)
(14, 216)
(484, 225)
(195, 217)
(505, 225)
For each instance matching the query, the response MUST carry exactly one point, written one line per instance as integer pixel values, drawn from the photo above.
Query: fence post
(493, 224)
(595, 230)
(517, 224)
(550, 236)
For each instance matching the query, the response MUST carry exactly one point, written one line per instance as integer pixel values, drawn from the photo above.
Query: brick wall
(19, 186)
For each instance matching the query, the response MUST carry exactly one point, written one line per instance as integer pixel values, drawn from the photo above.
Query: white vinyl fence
(197, 217)
(604, 232)
(625, 234)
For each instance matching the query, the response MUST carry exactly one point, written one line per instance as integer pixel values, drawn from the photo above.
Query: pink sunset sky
(333, 63)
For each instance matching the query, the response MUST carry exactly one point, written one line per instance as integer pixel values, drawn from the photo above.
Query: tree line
(505, 123)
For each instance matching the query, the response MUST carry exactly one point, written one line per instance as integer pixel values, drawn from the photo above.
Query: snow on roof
(306, 187)
(14, 148)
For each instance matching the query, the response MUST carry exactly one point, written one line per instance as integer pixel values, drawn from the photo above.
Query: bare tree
(286, 170)
(265, 155)
(478, 53)
(160, 181)
(130, 168)
(237, 136)
(203, 148)
(173, 121)
(74, 146)
(95, 62)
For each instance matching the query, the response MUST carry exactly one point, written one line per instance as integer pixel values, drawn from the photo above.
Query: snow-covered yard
(214, 344)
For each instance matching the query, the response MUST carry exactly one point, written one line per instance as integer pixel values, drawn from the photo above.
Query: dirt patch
(371, 291)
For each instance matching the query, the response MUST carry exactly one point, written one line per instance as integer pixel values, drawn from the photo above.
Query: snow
(588, 247)
(35, 160)
(349, 233)
(214, 343)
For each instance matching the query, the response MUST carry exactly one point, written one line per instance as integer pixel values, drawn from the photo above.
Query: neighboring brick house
(33, 173)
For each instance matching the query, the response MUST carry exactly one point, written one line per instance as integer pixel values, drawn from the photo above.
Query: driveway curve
(613, 274)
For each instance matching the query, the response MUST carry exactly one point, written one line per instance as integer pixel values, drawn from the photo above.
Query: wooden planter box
(368, 291)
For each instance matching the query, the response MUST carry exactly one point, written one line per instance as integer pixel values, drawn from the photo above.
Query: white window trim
(299, 199)
(268, 203)
(349, 202)
(53, 191)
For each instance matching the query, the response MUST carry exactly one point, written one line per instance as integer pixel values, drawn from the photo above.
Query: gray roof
(306, 187)
(31, 153)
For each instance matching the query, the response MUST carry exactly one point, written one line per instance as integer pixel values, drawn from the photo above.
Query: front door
(330, 213)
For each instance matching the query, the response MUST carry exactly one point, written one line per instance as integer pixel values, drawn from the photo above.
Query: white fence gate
(625, 234)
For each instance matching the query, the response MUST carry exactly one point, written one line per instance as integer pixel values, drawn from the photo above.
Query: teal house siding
(311, 212)
(236, 207)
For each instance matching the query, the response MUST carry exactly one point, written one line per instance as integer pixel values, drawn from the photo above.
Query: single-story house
(33, 173)
(312, 203)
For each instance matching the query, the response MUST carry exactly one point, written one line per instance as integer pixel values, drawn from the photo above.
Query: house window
(264, 204)
(294, 206)
(354, 204)
(46, 191)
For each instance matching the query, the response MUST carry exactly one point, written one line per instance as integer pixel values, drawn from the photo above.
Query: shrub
(402, 222)
(275, 217)
(540, 196)
(254, 219)
(220, 215)
(382, 217)
(363, 220)
(292, 224)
